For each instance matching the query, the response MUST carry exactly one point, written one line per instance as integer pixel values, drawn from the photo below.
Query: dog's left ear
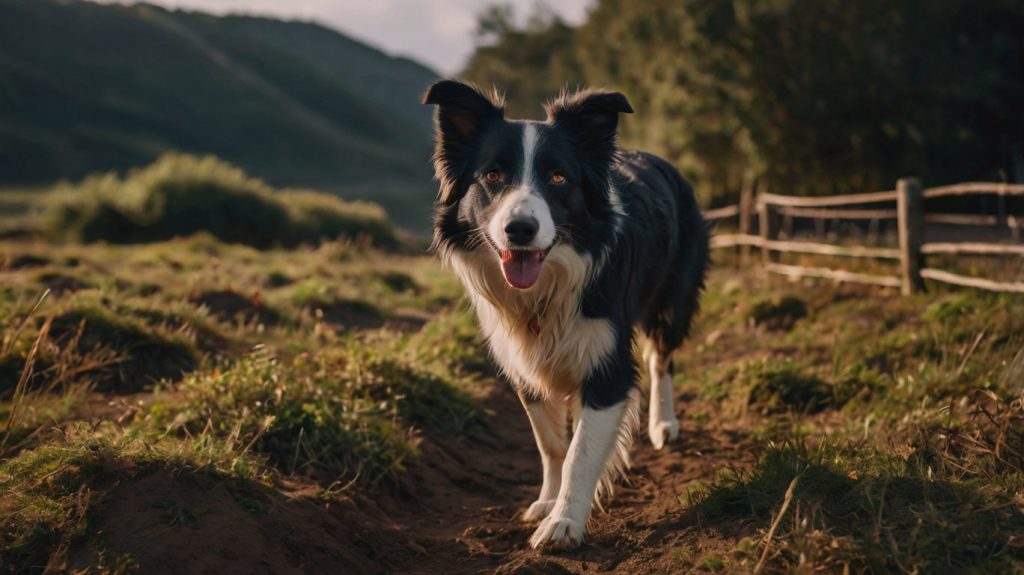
(591, 116)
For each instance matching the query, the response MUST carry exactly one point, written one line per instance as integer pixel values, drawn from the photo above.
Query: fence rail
(909, 199)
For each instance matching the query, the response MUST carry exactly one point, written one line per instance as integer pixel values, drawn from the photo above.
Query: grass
(145, 362)
(871, 509)
(896, 420)
(306, 415)
(179, 195)
(48, 494)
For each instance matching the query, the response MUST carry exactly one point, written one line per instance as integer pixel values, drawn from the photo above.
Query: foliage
(811, 98)
(180, 195)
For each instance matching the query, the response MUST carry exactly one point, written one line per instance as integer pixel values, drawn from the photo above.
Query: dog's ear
(462, 113)
(461, 109)
(591, 116)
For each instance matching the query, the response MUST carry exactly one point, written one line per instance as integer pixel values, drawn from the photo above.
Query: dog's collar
(534, 325)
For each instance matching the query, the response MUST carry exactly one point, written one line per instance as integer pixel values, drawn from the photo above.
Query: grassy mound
(343, 413)
(49, 495)
(180, 195)
(873, 511)
(144, 354)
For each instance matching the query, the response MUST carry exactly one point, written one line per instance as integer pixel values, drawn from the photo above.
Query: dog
(575, 254)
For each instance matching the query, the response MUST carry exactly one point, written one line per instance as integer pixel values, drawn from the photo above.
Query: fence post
(910, 211)
(768, 228)
(746, 212)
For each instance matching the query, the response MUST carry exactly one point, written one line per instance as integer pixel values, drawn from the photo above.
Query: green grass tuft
(778, 314)
(884, 513)
(48, 495)
(145, 354)
(303, 416)
(180, 195)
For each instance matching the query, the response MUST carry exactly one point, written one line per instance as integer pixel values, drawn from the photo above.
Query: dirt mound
(229, 305)
(176, 521)
(22, 261)
(144, 356)
(60, 284)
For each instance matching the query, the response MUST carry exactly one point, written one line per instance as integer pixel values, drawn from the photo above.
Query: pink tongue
(521, 268)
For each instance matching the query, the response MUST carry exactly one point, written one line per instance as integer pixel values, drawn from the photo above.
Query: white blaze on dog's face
(524, 188)
(521, 226)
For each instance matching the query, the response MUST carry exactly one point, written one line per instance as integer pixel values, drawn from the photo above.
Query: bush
(180, 195)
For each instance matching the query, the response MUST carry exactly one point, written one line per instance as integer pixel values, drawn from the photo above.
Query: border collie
(574, 254)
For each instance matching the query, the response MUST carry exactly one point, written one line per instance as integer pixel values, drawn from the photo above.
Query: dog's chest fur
(538, 337)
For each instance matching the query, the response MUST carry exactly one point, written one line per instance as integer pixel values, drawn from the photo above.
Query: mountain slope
(87, 87)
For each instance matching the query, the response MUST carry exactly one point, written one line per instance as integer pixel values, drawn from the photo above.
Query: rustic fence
(905, 204)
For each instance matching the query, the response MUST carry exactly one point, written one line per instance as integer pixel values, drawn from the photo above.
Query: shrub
(180, 195)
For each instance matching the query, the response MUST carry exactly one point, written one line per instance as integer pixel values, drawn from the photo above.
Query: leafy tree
(808, 97)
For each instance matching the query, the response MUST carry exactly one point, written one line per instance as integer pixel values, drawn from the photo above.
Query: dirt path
(455, 512)
(471, 494)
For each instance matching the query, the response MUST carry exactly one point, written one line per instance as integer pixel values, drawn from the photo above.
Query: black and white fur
(623, 251)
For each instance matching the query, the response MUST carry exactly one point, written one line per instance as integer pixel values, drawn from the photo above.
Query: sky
(438, 33)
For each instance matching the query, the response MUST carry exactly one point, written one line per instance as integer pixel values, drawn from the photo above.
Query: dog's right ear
(462, 112)
(461, 109)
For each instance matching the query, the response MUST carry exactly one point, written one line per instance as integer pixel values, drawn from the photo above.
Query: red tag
(535, 326)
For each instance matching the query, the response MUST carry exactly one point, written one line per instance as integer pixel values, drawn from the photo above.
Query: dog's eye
(493, 176)
(558, 178)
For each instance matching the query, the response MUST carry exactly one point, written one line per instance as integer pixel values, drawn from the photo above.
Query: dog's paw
(538, 510)
(663, 432)
(557, 532)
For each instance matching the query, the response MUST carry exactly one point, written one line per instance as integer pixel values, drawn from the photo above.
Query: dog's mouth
(521, 268)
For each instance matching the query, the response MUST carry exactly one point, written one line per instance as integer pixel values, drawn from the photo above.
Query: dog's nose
(522, 230)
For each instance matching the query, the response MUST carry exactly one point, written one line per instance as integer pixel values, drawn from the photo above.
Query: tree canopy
(816, 97)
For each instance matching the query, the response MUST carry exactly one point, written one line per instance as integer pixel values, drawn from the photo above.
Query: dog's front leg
(550, 421)
(594, 438)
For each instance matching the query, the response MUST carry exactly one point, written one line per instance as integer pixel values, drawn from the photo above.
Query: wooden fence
(905, 204)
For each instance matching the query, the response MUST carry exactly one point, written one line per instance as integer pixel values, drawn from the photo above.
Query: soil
(456, 511)
(229, 305)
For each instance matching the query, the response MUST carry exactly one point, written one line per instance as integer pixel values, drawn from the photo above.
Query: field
(197, 404)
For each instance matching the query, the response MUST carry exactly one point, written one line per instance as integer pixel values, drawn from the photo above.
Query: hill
(87, 87)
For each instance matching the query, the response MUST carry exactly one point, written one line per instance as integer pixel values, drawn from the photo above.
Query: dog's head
(523, 187)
